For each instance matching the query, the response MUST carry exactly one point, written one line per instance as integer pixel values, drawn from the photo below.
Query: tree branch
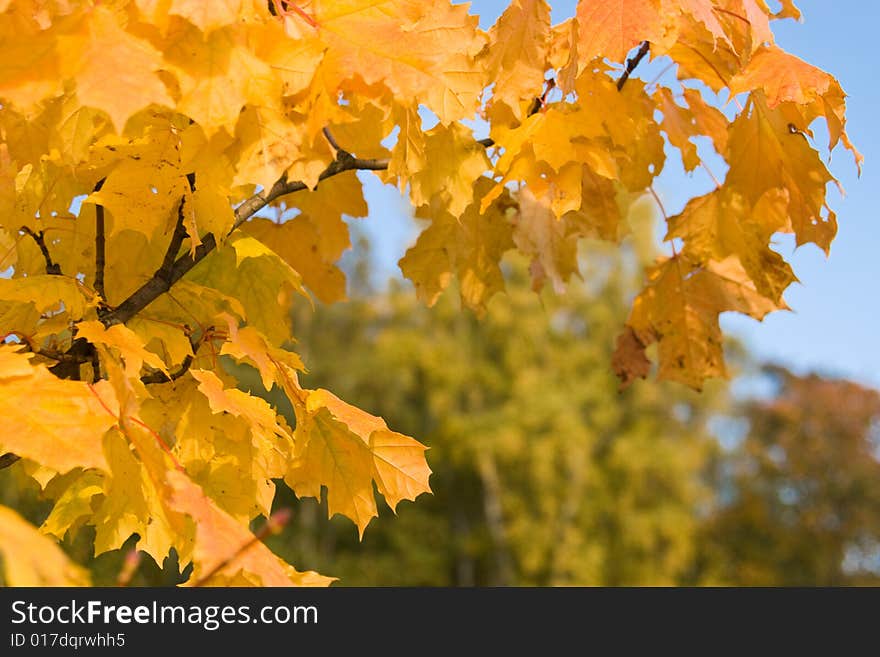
(100, 254)
(160, 377)
(330, 138)
(51, 267)
(8, 459)
(157, 285)
(632, 62)
(177, 237)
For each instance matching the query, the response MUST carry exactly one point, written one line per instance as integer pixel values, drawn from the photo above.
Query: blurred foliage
(800, 496)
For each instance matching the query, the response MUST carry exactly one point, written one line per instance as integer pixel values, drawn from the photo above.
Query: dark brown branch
(632, 62)
(157, 285)
(160, 377)
(81, 351)
(177, 237)
(100, 245)
(8, 459)
(51, 266)
(330, 138)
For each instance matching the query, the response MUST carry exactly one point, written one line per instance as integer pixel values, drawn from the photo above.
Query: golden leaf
(32, 559)
(59, 424)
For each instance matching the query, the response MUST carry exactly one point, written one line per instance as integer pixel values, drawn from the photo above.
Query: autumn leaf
(472, 247)
(346, 450)
(614, 27)
(785, 78)
(765, 154)
(135, 85)
(518, 53)
(125, 342)
(32, 559)
(679, 310)
(221, 548)
(367, 38)
(58, 424)
(721, 223)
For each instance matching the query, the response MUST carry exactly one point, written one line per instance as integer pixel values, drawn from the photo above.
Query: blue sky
(835, 319)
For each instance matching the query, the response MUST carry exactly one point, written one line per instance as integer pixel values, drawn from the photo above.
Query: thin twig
(160, 377)
(632, 62)
(51, 266)
(274, 524)
(100, 245)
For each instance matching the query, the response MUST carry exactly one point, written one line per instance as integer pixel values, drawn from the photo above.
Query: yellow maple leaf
(455, 160)
(346, 450)
(32, 559)
(219, 546)
(611, 28)
(124, 342)
(85, 60)
(218, 74)
(29, 72)
(680, 126)
(211, 16)
(471, 245)
(254, 410)
(767, 151)
(74, 504)
(167, 341)
(247, 270)
(549, 241)
(404, 44)
(145, 185)
(48, 294)
(707, 13)
(270, 144)
(130, 505)
(721, 223)
(679, 310)
(59, 424)
(785, 78)
(518, 53)
(408, 154)
(223, 547)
